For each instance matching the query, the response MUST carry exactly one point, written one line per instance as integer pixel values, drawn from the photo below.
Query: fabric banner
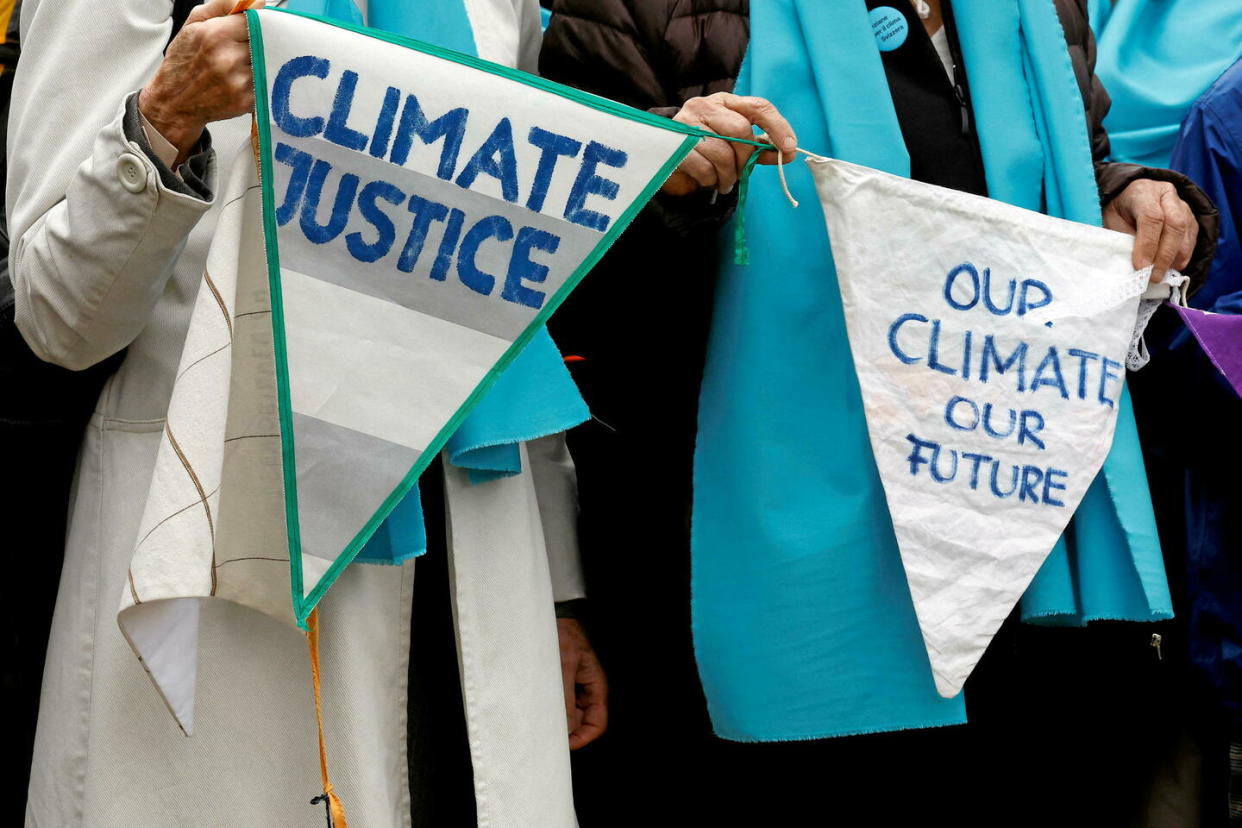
(424, 214)
(416, 216)
(990, 343)
(1220, 337)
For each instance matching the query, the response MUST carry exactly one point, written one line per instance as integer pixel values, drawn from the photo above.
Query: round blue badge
(890, 28)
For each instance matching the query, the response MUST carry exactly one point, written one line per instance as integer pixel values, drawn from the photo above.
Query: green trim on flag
(280, 347)
(303, 604)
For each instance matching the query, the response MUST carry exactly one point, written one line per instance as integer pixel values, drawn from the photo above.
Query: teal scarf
(803, 622)
(536, 396)
(1155, 58)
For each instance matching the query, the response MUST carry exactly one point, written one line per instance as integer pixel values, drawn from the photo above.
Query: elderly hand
(586, 686)
(205, 76)
(1163, 226)
(716, 164)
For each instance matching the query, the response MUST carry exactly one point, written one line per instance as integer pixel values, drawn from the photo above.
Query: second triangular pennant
(989, 343)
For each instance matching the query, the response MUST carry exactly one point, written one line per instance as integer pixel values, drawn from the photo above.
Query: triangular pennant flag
(416, 217)
(989, 343)
(1220, 337)
(425, 212)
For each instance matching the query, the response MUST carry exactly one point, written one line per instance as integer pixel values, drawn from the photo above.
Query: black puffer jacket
(647, 53)
(654, 54)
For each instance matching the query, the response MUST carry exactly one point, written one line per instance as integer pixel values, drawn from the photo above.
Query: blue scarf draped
(803, 622)
(536, 396)
(1155, 58)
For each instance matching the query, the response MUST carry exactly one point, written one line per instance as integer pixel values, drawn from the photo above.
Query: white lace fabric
(1172, 288)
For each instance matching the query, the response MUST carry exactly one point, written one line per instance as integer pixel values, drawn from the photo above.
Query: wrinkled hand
(716, 164)
(586, 686)
(205, 75)
(1164, 227)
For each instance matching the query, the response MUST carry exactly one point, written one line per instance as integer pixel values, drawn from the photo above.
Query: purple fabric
(1220, 336)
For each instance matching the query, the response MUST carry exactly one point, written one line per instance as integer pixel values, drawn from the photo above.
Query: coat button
(132, 173)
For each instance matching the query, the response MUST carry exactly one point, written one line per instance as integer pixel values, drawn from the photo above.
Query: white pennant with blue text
(989, 343)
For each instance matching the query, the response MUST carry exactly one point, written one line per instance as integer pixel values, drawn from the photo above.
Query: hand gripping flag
(989, 343)
(416, 217)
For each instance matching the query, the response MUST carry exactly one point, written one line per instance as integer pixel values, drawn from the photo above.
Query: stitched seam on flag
(279, 346)
(202, 495)
(305, 604)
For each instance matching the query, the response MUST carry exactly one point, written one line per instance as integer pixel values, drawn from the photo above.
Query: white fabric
(363, 361)
(98, 266)
(232, 546)
(1171, 288)
(556, 487)
(507, 31)
(165, 633)
(941, 41)
(971, 541)
(163, 150)
(517, 729)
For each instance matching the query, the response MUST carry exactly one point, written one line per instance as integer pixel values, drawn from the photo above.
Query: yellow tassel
(335, 809)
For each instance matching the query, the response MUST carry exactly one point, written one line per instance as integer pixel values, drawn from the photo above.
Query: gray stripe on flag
(343, 477)
(450, 299)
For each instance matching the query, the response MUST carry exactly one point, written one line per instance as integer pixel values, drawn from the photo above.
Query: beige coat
(108, 253)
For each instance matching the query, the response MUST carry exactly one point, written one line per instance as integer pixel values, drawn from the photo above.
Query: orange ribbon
(335, 809)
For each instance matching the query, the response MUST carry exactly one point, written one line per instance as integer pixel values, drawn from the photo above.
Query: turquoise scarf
(536, 396)
(1155, 58)
(803, 622)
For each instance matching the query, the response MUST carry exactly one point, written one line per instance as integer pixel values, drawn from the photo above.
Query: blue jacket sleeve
(1209, 151)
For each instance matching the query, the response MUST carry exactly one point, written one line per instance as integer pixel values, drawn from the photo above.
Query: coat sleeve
(95, 221)
(619, 49)
(1210, 152)
(1112, 177)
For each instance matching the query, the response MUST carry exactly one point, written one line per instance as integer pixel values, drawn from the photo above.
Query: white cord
(780, 169)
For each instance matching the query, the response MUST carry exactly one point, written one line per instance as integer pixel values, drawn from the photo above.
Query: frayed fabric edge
(1153, 615)
(836, 734)
(397, 561)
